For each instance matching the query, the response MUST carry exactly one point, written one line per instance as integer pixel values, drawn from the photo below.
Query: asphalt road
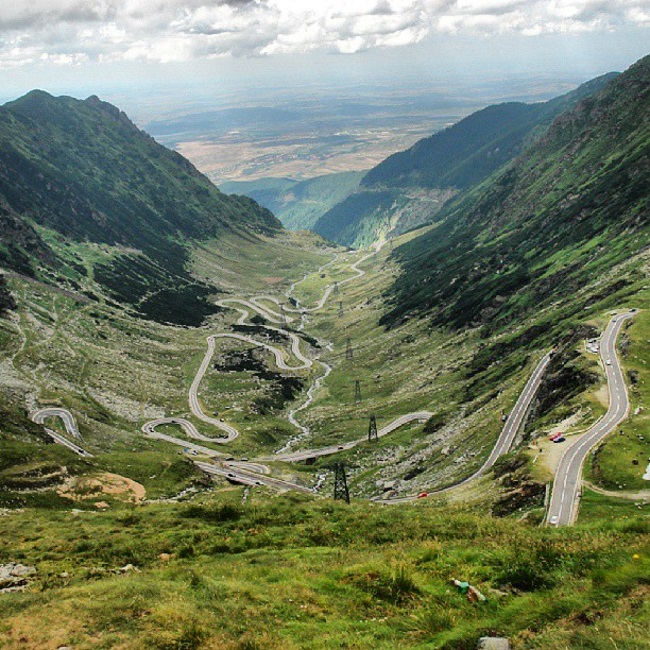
(239, 475)
(68, 420)
(563, 508)
(188, 428)
(506, 437)
(515, 418)
(70, 425)
(149, 430)
(421, 416)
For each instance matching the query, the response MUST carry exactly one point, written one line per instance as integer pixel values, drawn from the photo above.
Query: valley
(185, 385)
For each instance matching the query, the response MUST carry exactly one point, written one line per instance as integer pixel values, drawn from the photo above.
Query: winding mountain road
(506, 437)
(421, 416)
(251, 478)
(256, 304)
(195, 406)
(245, 306)
(70, 424)
(563, 508)
(68, 419)
(256, 473)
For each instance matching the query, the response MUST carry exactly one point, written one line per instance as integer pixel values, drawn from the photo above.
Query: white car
(553, 520)
(608, 362)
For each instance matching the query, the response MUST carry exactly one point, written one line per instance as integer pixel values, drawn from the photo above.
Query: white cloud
(73, 31)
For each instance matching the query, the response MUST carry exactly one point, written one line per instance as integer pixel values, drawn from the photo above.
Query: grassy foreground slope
(288, 574)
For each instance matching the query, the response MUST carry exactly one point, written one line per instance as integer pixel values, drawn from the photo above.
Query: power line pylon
(340, 308)
(357, 391)
(336, 287)
(349, 353)
(372, 429)
(340, 483)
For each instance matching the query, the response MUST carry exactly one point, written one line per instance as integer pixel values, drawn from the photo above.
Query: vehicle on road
(422, 495)
(553, 520)
(608, 362)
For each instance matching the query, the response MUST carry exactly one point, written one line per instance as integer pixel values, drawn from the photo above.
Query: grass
(287, 573)
(284, 572)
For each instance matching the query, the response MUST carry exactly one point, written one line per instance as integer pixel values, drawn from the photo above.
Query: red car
(422, 495)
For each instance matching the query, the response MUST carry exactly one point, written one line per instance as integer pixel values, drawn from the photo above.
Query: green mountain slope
(298, 204)
(136, 548)
(561, 214)
(421, 179)
(81, 171)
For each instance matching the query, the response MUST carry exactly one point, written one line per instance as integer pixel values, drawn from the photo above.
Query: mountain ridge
(81, 171)
(571, 205)
(449, 162)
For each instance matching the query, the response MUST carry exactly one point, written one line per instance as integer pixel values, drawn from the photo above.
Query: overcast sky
(80, 43)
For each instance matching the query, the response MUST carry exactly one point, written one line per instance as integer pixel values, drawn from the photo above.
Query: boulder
(493, 643)
(14, 577)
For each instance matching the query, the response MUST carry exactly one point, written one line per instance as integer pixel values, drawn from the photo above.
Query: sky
(82, 47)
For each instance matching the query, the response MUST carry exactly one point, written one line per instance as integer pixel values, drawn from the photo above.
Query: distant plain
(312, 130)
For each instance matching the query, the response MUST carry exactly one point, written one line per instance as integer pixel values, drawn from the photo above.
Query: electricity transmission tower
(340, 308)
(336, 287)
(349, 354)
(357, 391)
(372, 429)
(340, 483)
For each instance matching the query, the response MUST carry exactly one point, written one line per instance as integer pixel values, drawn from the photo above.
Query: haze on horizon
(83, 47)
(189, 56)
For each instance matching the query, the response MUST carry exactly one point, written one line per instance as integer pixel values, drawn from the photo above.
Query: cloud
(72, 31)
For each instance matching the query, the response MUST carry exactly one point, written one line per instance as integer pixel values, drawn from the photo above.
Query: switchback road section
(563, 509)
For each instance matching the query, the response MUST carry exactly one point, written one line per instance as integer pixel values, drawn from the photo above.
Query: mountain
(559, 216)
(298, 204)
(133, 545)
(410, 187)
(82, 171)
